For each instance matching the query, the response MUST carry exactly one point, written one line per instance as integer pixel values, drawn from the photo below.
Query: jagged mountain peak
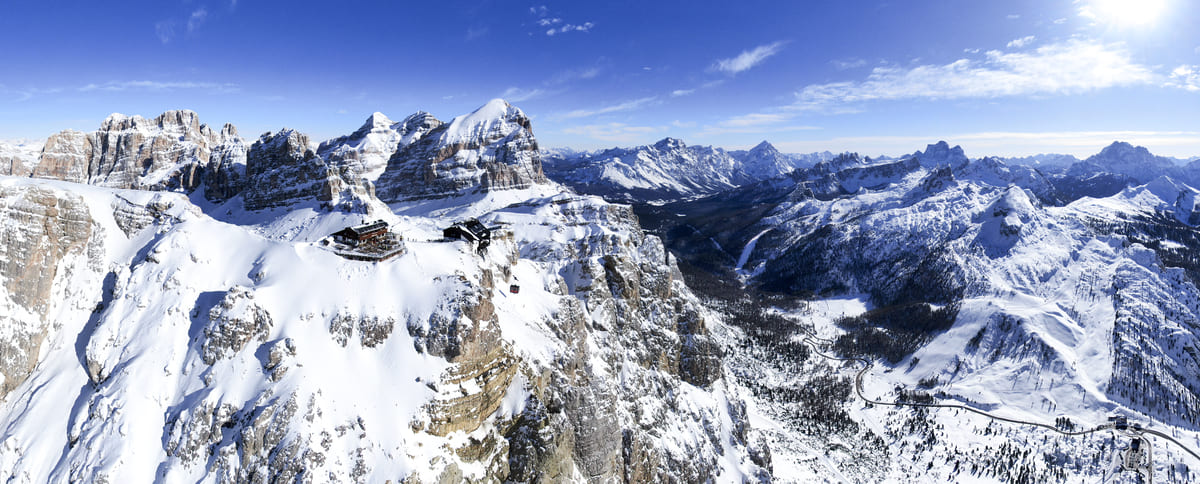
(417, 125)
(490, 148)
(184, 118)
(1125, 159)
(495, 119)
(1121, 154)
(941, 153)
(764, 147)
(670, 143)
(284, 135)
(378, 120)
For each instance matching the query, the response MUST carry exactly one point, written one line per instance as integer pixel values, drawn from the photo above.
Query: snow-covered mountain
(367, 150)
(763, 161)
(968, 286)
(158, 335)
(1049, 162)
(492, 148)
(670, 169)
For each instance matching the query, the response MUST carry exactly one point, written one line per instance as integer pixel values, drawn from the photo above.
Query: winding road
(810, 340)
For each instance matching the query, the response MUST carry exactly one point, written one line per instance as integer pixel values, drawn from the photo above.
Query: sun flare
(1125, 13)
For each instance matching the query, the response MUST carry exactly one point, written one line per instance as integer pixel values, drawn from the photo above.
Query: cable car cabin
(361, 234)
(470, 231)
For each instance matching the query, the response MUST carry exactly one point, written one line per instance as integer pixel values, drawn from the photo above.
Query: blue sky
(1007, 77)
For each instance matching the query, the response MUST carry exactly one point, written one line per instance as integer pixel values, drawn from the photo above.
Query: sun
(1124, 13)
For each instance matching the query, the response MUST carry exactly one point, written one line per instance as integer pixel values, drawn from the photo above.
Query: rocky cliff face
(170, 152)
(492, 148)
(225, 174)
(44, 235)
(619, 325)
(19, 157)
(282, 170)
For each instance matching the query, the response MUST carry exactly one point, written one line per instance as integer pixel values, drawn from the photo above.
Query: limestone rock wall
(43, 227)
(281, 170)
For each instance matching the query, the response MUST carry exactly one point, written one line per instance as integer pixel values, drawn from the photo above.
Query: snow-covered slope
(981, 294)
(172, 345)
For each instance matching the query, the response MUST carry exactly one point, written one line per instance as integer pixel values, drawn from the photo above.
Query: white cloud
(615, 132)
(748, 58)
(852, 63)
(572, 75)
(756, 123)
(586, 26)
(1013, 16)
(1185, 77)
(516, 94)
(539, 10)
(196, 19)
(756, 119)
(1064, 68)
(1021, 42)
(625, 106)
(682, 92)
(165, 30)
(546, 22)
(475, 33)
(1060, 21)
(28, 93)
(116, 86)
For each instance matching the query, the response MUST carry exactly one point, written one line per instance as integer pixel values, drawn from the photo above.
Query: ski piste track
(810, 340)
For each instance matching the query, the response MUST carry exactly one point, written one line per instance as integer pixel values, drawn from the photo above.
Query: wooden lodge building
(367, 242)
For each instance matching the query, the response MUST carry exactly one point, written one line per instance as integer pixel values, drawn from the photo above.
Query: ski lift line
(808, 339)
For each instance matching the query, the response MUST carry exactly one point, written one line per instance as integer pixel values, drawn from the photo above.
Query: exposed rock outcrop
(170, 152)
(233, 323)
(19, 157)
(492, 148)
(282, 170)
(44, 228)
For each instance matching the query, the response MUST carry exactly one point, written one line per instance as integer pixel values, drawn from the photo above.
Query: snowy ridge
(189, 348)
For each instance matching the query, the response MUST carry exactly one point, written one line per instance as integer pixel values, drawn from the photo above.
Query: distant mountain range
(669, 169)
